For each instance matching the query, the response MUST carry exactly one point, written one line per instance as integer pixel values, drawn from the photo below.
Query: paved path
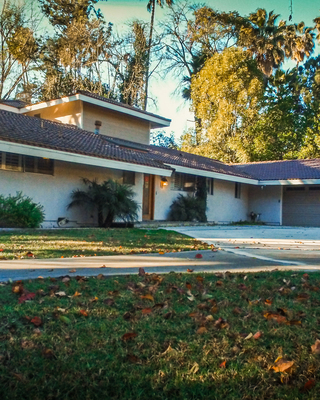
(282, 245)
(242, 249)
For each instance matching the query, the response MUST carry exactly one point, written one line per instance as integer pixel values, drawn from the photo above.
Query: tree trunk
(100, 217)
(108, 221)
(148, 56)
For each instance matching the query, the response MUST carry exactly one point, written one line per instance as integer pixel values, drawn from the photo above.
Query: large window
(183, 182)
(237, 193)
(210, 186)
(129, 177)
(17, 162)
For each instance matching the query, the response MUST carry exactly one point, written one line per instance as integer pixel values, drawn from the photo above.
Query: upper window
(210, 186)
(237, 193)
(17, 162)
(295, 189)
(128, 177)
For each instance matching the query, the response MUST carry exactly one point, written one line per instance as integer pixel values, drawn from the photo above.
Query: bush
(20, 211)
(186, 208)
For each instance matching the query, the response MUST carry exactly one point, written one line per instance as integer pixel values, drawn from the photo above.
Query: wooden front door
(148, 197)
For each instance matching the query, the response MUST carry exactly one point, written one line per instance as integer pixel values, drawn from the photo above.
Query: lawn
(174, 336)
(57, 243)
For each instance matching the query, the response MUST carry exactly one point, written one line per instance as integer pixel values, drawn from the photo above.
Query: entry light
(164, 182)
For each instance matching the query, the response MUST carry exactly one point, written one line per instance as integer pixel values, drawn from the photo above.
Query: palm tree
(111, 200)
(264, 39)
(151, 8)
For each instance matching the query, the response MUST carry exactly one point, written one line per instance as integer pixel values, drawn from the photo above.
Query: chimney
(97, 125)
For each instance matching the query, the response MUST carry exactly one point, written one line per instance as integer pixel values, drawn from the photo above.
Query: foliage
(20, 211)
(226, 97)
(110, 199)
(187, 208)
(170, 336)
(18, 47)
(85, 242)
(159, 138)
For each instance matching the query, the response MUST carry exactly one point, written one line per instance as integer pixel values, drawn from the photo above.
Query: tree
(133, 80)
(226, 95)
(18, 48)
(110, 199)
(151, 8)
(159, 138)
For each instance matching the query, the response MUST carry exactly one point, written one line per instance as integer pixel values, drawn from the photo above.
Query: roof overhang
(154, 120)
(215, 175)
(80, 159)
(6, 107)
(286, 182)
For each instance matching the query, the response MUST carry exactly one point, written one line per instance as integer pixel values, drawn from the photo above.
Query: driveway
(241, 249)
(280, 245)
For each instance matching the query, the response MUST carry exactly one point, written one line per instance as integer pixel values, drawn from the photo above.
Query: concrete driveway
(280, 245)
(242, 249)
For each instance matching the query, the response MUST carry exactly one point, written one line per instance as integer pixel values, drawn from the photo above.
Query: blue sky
(172, 106)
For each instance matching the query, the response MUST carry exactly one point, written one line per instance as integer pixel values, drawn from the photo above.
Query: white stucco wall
(223, 207)
(266, 201)
(53, 192)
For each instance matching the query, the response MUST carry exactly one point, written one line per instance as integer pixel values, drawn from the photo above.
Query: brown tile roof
(183, 159)
(281, 170)
(14, 103)
(43, 133)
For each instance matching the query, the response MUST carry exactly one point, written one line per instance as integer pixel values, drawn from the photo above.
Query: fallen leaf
(198, 255)
(305, 276)
(188, 285)
(302, 297)
(48, 353)
(161, 252)
(268, 302)
(316, 347)
(190, 270)
(60, 294)
(293, 322)
(199, 279)
(65, 279)
(84, 313)
(248, 337)
(72, 270)
(257, 335)
(275, 316)
(26, 297)
(77, 294)
(146, 311)
(219, 283)
(65, 319)
(309, 385)
(202, 330)
(129, 336)
(170, 351)
(147, 297)
(103, 266)
(100, 276)
(223, 364)
(36, 321)
(283, 365)
(18, 289)
(141, 272)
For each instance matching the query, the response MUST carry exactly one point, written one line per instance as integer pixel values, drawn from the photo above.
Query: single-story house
(46, 148)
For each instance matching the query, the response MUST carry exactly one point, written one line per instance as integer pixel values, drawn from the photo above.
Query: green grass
(72, 356)
(57, 243)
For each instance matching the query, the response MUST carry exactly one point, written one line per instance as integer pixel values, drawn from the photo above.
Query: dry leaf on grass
(147, 297)
(84, 313)
(26, 297)
(223, 364)
(309, 385)
(60, 294)
(194, 369)
(146, 311)
(316, 347)
(202, 330)
(283, 365)
(129, 336)
(257, 335)
(36, 321)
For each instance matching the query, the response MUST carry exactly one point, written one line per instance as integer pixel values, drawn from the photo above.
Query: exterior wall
(266, 201)
(223, 207)
(115, 124)
(53, 192)
(67, 113)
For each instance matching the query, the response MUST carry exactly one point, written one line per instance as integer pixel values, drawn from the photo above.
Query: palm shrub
(20, 211)
(110, 199)
(185, 208)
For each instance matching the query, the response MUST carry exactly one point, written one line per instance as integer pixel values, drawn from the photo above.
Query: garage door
(301, 206)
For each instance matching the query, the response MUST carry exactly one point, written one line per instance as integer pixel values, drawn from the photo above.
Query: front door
(148, 197)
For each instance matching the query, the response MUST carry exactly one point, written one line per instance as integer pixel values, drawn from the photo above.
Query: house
(46, 148)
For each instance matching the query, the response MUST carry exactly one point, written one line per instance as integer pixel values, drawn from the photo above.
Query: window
(237, 193)
(128, 177)
(37, 115)
(295, 189)
(17, 162)
(183, 182)
(314, 188)
(210, 186)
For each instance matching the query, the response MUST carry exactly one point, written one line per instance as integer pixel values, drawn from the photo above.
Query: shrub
(20, 211)
(110, 199)
(186, 208)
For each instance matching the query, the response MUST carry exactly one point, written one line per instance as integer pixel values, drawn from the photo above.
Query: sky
(172, 105)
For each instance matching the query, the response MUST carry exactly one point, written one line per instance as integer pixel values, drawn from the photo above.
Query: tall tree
(18, 47)
(151, 6)
(226, 96)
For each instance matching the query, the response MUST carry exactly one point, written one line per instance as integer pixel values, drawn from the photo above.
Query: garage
(301, 205)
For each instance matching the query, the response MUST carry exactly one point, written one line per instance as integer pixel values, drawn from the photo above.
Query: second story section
(98, 114)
